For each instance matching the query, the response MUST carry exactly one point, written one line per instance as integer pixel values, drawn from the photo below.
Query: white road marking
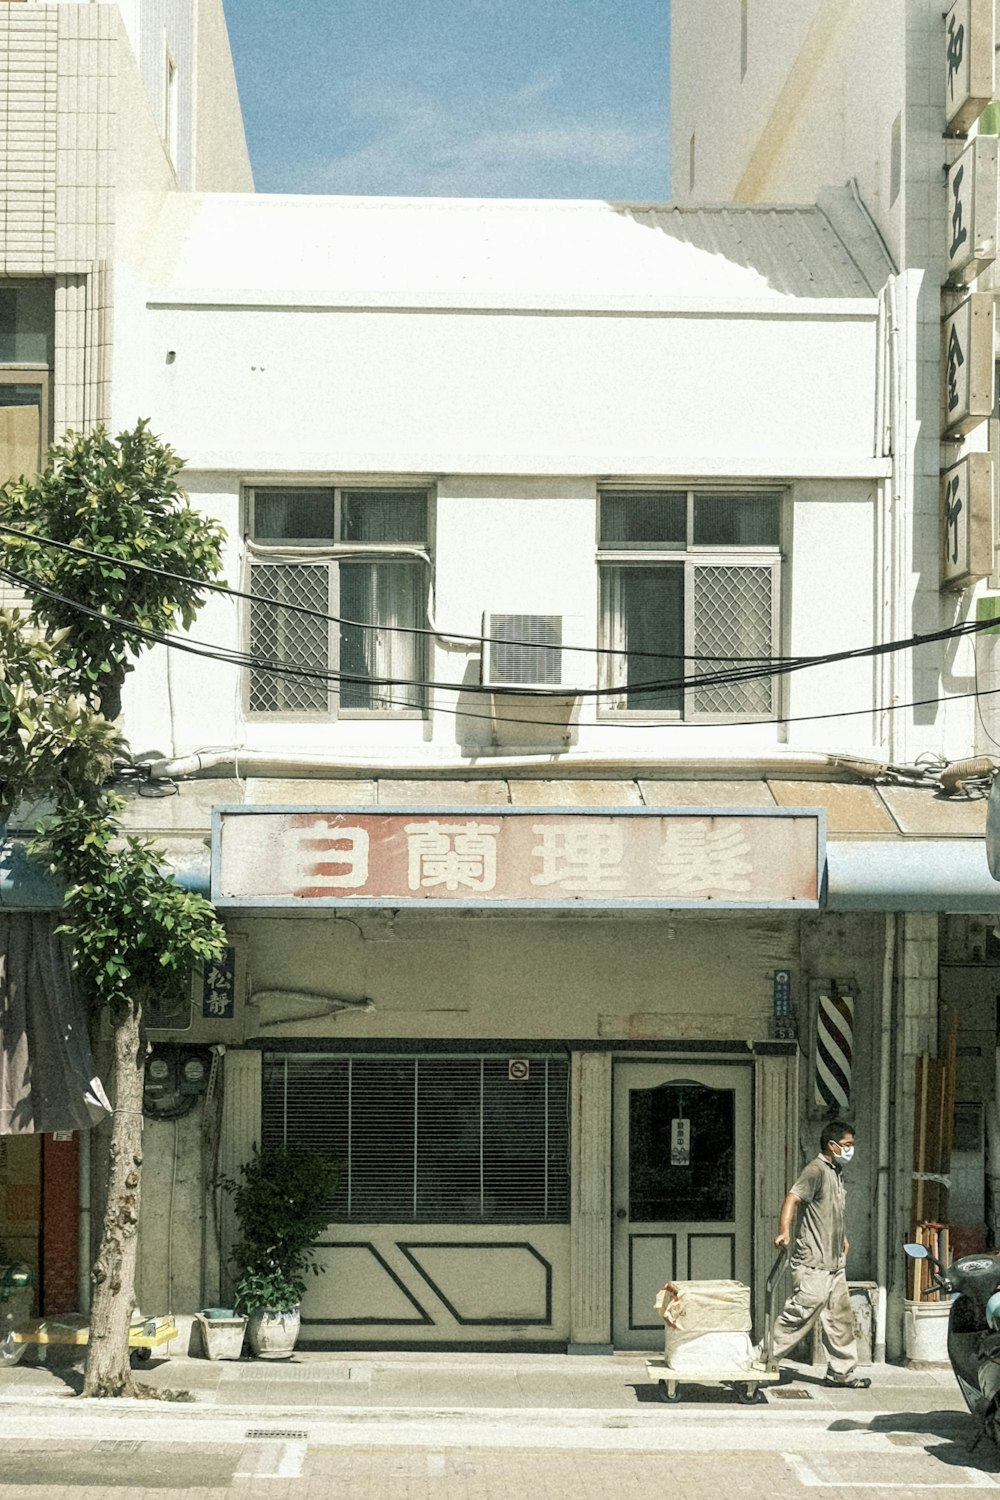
(975, 1479)
(288, 1466)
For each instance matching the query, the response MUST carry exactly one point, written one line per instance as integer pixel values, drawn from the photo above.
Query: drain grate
(282, 1434)
(791, 1394)
(274, 1372)
(116, 1445)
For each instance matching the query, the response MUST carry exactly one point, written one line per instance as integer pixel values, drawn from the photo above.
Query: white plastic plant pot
(272, 1335)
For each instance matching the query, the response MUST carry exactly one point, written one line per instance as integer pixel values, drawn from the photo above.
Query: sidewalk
(451, 1382)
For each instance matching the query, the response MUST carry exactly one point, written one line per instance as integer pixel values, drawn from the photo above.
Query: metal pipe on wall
(882, 1236)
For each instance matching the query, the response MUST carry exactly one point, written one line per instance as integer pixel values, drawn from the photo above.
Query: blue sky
(467, 98)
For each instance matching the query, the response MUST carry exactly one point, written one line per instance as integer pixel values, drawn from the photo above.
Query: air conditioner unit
(533, 653)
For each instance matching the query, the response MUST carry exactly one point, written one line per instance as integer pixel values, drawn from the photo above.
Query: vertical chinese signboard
(967, 533)
(516, 859)
(967, 354)
(968, 62)
(972, 210)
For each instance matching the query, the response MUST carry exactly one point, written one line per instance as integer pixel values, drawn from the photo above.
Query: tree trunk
(108, 1371)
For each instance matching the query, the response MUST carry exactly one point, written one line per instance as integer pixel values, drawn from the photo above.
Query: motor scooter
(973, 1282)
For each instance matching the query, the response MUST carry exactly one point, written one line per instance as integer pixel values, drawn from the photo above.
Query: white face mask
(846, 1153)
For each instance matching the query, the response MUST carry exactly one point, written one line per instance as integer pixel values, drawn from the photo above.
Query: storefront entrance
(682, 1185)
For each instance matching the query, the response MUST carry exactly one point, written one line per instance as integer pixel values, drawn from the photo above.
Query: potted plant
(282, 1203)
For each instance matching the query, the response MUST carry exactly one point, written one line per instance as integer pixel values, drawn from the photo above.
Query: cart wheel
(669, 1392)
(749, 1394)
(140, 1356)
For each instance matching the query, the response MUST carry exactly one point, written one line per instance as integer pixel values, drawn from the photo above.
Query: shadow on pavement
(959, 1447)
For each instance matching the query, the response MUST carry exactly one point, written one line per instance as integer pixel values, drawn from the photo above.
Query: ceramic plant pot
(272, 1335)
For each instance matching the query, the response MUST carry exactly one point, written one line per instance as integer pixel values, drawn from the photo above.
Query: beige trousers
(822, 1296)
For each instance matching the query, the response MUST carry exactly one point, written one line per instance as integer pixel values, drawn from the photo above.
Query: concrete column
(776, 1136)
(590, 1203)
(240, 1133)
(72, 354)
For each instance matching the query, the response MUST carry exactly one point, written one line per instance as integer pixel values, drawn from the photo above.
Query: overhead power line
(245, 660)
(752, 667)
(747, 671)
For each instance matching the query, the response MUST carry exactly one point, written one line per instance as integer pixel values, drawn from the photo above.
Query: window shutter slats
(429, 1139)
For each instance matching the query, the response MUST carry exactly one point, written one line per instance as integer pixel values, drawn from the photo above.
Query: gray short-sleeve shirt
(819, 1232)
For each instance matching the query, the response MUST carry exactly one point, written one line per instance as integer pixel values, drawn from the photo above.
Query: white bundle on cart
(707, 1325)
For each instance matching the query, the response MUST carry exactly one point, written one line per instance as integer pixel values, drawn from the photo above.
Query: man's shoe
(852, 1383)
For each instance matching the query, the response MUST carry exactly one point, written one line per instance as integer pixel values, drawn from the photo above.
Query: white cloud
(515, 143)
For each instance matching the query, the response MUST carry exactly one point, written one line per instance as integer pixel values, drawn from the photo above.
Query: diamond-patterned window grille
(733, 618)
(690, 599)
(284, 635)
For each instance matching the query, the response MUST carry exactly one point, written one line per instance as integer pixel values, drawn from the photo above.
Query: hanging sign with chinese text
(972, 210)
(967, 356)
(967, 521)
(968, 62)
(510, 858)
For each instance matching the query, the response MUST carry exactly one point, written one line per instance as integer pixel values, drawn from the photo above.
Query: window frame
(40, 376)
(543, 1133)
(332, 552)
(691, 557)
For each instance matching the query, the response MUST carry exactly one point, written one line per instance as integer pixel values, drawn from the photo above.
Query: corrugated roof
(854, 810)
(428, 252)
(796, 251)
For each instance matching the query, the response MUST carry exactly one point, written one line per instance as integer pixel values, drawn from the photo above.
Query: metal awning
(889, 848)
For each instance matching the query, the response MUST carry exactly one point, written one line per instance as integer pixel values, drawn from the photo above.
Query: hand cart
(747, 1382)
(144, 1335)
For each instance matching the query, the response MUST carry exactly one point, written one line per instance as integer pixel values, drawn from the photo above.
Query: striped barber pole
(834, 1046)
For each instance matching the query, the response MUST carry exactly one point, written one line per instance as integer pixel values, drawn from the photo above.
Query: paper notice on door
(680, 1143)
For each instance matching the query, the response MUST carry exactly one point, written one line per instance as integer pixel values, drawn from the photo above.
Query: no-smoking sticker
(518, 1070)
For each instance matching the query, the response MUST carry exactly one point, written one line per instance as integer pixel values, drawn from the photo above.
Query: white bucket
(925, 1332)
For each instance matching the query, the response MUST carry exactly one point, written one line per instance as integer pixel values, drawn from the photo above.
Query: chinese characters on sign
(968, 62)
(966, 529)
(967, 357)
(972, 210)
(218, 987)
(533, 858)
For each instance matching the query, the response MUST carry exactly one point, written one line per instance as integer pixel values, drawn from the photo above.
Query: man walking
(814, 1207)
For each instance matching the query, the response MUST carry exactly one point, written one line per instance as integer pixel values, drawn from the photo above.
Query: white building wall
(824, 82)
(825, 85)
(326, 390)
(513, 544)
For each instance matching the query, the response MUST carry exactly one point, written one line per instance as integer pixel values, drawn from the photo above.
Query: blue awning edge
(944, 875)
(904, 874)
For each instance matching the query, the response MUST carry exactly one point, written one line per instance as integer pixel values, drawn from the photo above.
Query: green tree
(106, 502)
(135, 935)
(69, 538)
(51, 740)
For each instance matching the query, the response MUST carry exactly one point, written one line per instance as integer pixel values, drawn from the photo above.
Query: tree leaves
(120, 499)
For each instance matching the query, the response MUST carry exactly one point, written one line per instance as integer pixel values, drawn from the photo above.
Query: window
(27, 326)
(689, 587)
(429, 1139)
(340, 578)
